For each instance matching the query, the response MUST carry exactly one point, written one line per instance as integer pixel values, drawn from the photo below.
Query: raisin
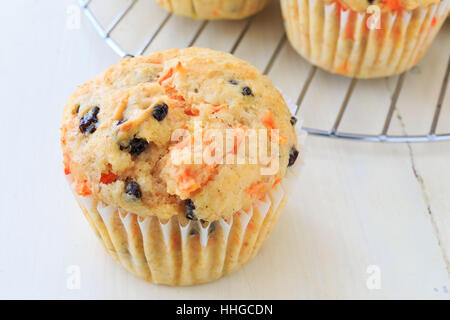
(119, 122)
(190, 208)
(160, 111)
(88, 123)
(233, 82)
(133, 189)
(370, 1)
(246, 91)
(77, 109)
(293, 154)
(137, 146)
(293, 120)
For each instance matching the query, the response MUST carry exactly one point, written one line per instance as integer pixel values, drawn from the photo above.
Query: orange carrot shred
(393, 4)
(258, 190)
(277, 182)
(267, 120)
(82, 188)
(192, 112)
(108, 178)
(166, 76)
(66, 162)
(218, 109)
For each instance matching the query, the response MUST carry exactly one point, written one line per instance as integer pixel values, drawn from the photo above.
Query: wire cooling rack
(106, 34)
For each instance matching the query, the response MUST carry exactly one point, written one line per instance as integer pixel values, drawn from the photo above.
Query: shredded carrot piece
(179, 66)
(66, 162)
(63, 135)
(108, 178)
(186, 183)
(173, 93)
(267, 120)
(258, 190)
(82, 188)
(166, 76)
(194, 112)
(277, 181)
(219, 108)
(393, 4)
(170, 73)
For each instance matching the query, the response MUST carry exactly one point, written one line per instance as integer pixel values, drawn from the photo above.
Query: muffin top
(214, 9)
(385, 5)
(170, 133)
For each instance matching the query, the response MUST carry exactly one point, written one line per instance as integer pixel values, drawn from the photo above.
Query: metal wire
(333, 132)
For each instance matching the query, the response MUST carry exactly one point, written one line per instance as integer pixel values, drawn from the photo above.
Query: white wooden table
(368, 220)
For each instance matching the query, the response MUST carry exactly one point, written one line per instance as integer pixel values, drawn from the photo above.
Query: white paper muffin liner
(338, 39)
(179, 253)
(214, 9)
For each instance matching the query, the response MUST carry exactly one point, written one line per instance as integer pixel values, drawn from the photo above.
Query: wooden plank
(371, 213)
(177, 33)
(420, 93)
(262, 37)
(443, 125)
(289, 72)
(431, 164)
(107, 10)
(368, 106)
(221, 35)
(324, 99)
(138, 25)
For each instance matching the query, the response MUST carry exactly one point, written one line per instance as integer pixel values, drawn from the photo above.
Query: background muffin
(168, 222)
(343, 36)
(214, 9)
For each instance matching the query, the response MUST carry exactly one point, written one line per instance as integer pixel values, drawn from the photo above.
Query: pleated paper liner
(214, 9)
(176, 252)
(339, 40)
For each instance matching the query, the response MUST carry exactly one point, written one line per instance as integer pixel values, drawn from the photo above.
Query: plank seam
(426, 197)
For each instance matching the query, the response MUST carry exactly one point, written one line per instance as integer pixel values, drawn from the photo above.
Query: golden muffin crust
(214, 9)
(117, 134)
(385, 5)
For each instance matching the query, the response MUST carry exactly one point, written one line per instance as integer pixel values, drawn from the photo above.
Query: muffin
(214, 9)
(363, 38)
(160, 206)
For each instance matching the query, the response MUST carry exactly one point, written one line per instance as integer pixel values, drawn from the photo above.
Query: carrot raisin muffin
(170, 212)
(363, 38)
(214, 9)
